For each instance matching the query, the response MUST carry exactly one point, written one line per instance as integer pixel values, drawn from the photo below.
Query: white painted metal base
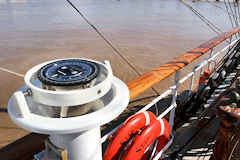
(79, 135)
(82, 146)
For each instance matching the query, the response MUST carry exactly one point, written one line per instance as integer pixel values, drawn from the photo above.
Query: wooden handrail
(32, 143)
(149, 79)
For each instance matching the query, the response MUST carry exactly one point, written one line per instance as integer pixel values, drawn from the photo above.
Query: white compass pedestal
(79, 135)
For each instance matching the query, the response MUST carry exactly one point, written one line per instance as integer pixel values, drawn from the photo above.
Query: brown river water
(146, 32)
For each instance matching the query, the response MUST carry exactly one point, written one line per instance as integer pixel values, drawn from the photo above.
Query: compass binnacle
(68, 72)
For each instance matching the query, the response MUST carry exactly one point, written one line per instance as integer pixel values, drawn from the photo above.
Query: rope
(216, 6)
(107, 41)
(230, 18)
(238, 11)
(214, 28)
(234, 15)
(225, 10)
(11, 72)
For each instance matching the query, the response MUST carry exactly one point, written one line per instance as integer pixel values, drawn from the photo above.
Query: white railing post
(210, 56)
(192, 80)
(174, 98)
(173, 89)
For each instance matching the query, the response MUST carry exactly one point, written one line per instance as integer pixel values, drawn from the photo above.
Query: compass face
(68, 72)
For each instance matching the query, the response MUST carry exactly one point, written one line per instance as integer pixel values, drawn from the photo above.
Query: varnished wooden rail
(149, 79)
(25, 147)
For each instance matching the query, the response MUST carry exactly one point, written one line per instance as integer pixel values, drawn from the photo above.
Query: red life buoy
(204, 77)
(161, 141)
(158, 129)
(149, 129)
(164, 138)
(131, 126)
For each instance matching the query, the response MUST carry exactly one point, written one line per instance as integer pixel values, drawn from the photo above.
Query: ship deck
(197, 138)
(29, 37)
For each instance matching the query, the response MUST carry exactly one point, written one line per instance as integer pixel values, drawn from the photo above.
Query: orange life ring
(158, 129)
(131, 126)
(204, 77)
(148, 129)
(164, 138)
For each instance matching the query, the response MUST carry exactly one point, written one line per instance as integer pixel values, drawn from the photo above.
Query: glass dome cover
(68, 72)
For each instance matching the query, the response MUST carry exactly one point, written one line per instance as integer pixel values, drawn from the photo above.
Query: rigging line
(230, 9)
(230, 18)
(229, 14)
(237, 17)
(218, 32)
(11, 72)
(208, 23)
(217, 28)
(238, 11)
(217, 6)
(236, 6)
(235, 12)
(103, 37)
(205, 20)
(107, 41)
(234, 17)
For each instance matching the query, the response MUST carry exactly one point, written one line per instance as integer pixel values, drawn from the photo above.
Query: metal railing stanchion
(174, 98)
(210, 56)
(192, 80)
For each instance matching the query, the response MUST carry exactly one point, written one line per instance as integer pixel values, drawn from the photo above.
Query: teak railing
(30, 144)
(149, 79)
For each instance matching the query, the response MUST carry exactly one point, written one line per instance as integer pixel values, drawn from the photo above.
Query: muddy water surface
(146, 32)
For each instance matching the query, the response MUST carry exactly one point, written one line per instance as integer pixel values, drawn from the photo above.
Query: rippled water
(157, 30)
(146, 32)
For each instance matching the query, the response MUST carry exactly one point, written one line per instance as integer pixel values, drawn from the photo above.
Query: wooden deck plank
(195, 137)
(200, 148)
